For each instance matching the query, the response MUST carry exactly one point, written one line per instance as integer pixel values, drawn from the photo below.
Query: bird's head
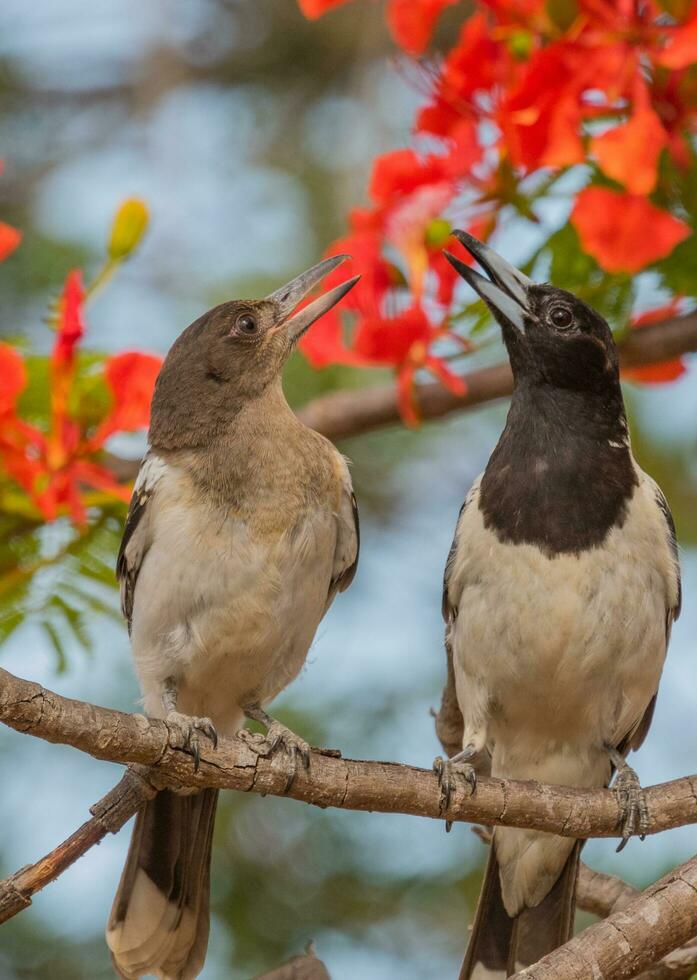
(231, 355)
(551, 336)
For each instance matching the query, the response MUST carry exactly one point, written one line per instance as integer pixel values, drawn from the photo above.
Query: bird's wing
(137, 532)
(347, 536)
(448, 605)
(449, 721)
(635, 737)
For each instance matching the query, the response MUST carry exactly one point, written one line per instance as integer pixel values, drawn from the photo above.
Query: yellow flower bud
(128, 228)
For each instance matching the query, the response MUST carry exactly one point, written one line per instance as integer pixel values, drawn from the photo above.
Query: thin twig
(109, 815)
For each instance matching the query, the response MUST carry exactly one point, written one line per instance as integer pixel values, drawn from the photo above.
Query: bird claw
(188, 728)
(446, 770)
(634, 811)
(281, 739)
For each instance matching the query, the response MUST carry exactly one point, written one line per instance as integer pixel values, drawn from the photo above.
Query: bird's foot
(447, 771)
(280, 739)
(634, 811)
(189, 729)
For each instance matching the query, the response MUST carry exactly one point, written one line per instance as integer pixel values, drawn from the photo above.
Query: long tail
(159, 920)
(501, 945)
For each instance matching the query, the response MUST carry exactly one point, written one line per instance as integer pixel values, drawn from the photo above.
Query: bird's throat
(562, 473)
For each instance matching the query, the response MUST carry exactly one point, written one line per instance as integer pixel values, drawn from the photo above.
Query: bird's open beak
(505, 292)
(287, 298)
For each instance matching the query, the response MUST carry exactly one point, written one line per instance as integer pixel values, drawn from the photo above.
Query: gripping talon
(634, 813)
(446, 770)
(188, 728)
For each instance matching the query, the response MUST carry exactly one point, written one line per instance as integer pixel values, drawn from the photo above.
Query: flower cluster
(57, 464)
(530, 89)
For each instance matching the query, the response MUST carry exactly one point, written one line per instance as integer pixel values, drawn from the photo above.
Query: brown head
(230, 356)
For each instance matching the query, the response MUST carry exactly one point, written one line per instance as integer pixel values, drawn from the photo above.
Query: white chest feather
(227, 612)
(564, 650)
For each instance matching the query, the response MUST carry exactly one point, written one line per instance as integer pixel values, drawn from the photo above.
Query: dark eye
(561, 317)
(247, 324)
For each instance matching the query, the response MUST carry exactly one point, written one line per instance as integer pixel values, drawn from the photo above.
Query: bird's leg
(188, 726)
(278, 737)
(448, 769)
(631, 798)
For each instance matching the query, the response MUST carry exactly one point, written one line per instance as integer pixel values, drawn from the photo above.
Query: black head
(551, 336)
(231, 355)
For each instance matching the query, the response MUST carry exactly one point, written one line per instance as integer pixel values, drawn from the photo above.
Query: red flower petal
(405, 396)
(13, 378)
(412, 21)
(624, 232)
(388, 340)
(629, 153)
(654, 374)
(681, 50)
(9, 240)
(662, 371)
(131, 376)
(71, 326)
(313, 9)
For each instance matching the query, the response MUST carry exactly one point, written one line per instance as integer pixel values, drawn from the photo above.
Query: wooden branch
(604, 894)
(631, 940)
(109, 815)
(240, 763)
(305, 967)
(344, 414)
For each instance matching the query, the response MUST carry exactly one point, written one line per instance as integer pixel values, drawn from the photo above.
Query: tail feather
(500, 944)
(159, 920)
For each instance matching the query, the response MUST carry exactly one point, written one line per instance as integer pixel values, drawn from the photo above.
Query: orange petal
(9, 240)
(629, 153)
(624, 232)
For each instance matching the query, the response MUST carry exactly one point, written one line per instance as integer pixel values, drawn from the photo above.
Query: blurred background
(250, 132)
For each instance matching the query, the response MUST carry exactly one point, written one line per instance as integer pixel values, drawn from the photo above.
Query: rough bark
(351, 784)
(631, 940)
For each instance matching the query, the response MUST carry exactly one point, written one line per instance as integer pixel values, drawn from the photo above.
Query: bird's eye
(561, 317)
(247, 324)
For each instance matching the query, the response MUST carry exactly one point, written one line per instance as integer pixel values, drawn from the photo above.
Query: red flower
(624, 232)
(13, 378)
(313, 9)
(9, 240)
(662, 371)
(629, 153)
(412, 22)
(131, 377)
(55, 467)
(681, 49)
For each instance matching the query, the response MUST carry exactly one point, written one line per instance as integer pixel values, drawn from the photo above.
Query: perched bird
(242, 528)
(560, 591)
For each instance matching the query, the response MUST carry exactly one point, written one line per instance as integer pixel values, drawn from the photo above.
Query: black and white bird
(242, 528)
(560, 591)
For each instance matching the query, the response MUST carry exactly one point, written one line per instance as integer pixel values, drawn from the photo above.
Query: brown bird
(242, 528)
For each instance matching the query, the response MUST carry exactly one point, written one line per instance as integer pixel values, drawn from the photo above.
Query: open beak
(287, 298)
(505, 292)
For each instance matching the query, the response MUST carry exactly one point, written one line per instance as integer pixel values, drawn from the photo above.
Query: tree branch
(331, 781)
(109, 816)
(630, 940)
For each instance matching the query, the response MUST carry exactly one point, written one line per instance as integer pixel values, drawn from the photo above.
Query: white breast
(564, 651)
(232, 615)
